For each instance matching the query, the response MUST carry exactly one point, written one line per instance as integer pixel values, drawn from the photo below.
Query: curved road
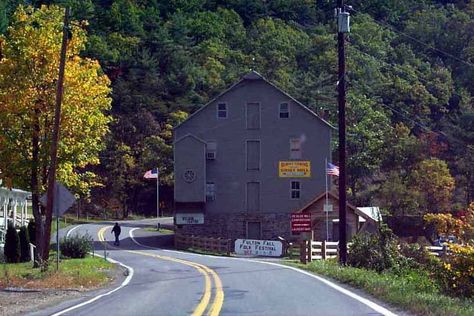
(167, 282)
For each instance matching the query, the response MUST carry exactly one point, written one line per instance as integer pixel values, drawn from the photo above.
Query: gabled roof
(372, 211)
(192, 136)
(253, 75)
(356, 210)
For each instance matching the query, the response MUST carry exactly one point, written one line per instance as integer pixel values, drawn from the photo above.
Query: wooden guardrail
(211, 244)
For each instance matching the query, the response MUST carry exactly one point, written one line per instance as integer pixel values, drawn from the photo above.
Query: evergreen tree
(12, 245)
(24, 244)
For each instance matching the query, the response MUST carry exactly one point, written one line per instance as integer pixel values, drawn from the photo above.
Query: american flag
(151, 174)
(332, 170)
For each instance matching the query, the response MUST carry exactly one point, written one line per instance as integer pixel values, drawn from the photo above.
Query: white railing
(438, 250)
(319, 250)
(324, 249)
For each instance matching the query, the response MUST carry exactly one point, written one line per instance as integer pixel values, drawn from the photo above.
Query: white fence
(319, 250)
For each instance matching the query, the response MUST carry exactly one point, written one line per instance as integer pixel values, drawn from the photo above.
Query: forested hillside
(410, 89)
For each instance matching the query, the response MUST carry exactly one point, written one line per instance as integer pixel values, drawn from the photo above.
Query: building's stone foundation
(234, 226)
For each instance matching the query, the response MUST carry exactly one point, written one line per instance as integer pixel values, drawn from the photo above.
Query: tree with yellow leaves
(29, 63)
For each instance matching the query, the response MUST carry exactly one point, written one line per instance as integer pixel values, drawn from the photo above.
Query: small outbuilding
(324, 211)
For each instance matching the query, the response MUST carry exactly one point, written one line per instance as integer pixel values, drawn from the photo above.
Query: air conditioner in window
(211, 155)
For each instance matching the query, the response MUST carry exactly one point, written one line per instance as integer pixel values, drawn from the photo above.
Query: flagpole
(157, 193)
(327, 213)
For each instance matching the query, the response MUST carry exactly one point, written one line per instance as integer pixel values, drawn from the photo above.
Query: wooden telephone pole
(342, 28)
(55, 139)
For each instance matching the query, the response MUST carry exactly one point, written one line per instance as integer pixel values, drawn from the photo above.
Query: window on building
(284, 111)
(222, 110)
(254, 230)
(210, 191)
(295, 190)
(211, 150)
(253, 197)
(253, 115)
(295, 148)
(253, 155)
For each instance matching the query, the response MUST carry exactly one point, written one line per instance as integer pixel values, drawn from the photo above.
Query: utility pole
(55, 139)
(342, 28)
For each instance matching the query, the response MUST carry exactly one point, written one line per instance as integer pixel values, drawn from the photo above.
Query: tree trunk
(37, 214)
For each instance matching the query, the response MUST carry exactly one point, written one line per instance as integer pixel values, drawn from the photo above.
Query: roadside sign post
(63, 200)
(301, 223)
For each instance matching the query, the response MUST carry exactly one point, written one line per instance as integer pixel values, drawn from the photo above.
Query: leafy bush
(76, 246)
(24, 245)
(32, 231)
(377, 252)
(457, 275)
(416, 256)
(12, 245)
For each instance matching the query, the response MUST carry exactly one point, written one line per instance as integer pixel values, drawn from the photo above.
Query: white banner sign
(251, 247)
(189, 218)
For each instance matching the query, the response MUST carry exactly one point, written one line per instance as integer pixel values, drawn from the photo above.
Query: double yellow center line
(216, 306)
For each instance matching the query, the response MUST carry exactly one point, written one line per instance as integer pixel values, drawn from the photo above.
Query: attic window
(284, 111)
(222, 110)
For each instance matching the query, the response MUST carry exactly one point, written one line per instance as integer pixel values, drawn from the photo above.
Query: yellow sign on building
(294, 169)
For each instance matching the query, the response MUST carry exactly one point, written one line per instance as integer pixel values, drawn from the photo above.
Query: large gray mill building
(246, 160)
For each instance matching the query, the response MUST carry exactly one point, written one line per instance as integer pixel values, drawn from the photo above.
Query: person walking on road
(116, 230)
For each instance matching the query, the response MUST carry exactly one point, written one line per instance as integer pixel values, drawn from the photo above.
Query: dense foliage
(410, 70)
(76, 246)
(28, 79)
(377, 252)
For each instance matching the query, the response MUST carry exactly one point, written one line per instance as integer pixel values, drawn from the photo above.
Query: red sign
(300, 222)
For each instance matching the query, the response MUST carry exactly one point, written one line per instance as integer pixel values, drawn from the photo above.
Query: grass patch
(87, 273)
(412, 291)
(163, 231)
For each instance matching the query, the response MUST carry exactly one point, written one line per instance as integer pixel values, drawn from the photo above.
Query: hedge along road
(167, 282)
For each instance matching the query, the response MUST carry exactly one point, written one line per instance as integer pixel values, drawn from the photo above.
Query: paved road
(167, 282)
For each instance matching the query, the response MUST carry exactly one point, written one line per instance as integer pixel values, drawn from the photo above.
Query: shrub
(76, 246)
(457, 275)
(416, 256)
(32, 231)
(24, 245)
(12, 245)
(377, 252)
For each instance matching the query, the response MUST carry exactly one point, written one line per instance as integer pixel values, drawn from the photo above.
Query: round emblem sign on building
(189, 176)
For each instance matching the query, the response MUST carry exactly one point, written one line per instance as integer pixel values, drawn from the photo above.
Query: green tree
(433, 181)
(396, 196)
(28, 75)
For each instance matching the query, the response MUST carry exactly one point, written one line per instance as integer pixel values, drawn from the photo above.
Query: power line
(391, 27)
(426, 128)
